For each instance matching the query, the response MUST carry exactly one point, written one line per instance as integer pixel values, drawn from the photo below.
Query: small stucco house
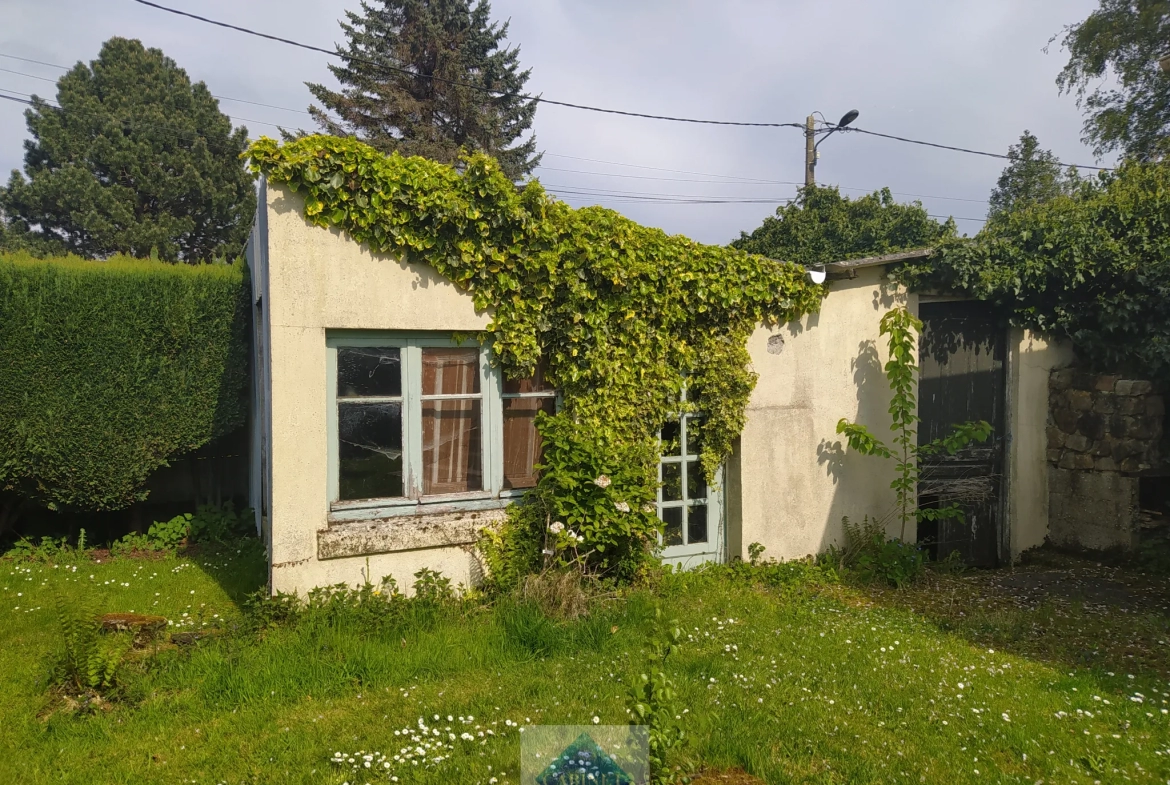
(380, 445)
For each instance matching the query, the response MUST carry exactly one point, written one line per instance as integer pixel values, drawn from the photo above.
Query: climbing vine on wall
(621, 314)
(1092, 266)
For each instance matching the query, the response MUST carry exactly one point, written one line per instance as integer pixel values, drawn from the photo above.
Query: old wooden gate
(962, 360)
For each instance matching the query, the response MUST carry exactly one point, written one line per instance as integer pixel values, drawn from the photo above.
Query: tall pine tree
(1034, 175)
(443, 80)
(136, 158)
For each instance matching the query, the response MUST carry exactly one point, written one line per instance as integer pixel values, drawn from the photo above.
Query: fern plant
(87, 662)
(902, 329)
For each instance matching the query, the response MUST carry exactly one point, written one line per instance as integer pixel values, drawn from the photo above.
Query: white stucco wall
(1032, 359)
(792, 477)
(320, 280)
(788, 484)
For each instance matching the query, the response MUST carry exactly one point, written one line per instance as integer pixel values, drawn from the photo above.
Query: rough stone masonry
(1102, 431)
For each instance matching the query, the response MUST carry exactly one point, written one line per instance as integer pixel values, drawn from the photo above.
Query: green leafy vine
(621, 314)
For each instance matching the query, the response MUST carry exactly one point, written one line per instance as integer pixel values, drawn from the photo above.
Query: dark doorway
(962, 353)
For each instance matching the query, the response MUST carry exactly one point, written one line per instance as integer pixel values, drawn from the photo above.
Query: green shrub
(220, 524)
(655, 704)
(875, 558)
(369, 608)
(592, 509)
(109, 369)
(161, 536)
(782, 575)
(48, 549)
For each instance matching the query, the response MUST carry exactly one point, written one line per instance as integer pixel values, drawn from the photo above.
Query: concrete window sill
(344, 539)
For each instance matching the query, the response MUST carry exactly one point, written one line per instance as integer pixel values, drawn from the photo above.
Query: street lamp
(810, 146)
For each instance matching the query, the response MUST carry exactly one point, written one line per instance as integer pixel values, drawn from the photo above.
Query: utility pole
(810, 143)
(810, 152)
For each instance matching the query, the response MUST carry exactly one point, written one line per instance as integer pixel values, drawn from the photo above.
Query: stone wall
(1102, 423)
(1102, 431)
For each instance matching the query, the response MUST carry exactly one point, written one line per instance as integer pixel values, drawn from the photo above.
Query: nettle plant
(619, 313)
(902, 329)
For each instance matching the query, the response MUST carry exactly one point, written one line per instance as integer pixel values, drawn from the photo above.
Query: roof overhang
(848, 268)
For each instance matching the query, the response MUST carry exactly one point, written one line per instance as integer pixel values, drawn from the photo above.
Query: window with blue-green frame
(419, 419)
(690, 508)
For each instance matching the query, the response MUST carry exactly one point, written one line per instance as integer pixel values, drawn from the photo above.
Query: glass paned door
(691, 509)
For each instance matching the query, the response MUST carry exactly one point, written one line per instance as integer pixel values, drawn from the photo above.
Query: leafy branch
(902, 329)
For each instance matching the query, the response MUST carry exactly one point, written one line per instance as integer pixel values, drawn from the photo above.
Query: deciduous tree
(824, 226)
(1113, 71)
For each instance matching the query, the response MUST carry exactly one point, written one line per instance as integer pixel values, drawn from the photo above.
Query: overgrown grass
(785, 673)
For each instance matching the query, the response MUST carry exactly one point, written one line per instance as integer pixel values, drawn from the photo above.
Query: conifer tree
(1034, 175)
(135, 159)
(429, 77)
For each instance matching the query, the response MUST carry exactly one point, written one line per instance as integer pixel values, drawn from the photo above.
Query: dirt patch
(1096, 586)
(1056, 607)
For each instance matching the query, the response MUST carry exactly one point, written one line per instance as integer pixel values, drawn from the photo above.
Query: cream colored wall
(1032, 359)
(788, 484)
(321, 280)
(792, 478)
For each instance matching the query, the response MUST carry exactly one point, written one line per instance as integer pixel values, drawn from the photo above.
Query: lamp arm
(826, 136)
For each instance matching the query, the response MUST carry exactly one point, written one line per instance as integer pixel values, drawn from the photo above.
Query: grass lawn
(962, 679)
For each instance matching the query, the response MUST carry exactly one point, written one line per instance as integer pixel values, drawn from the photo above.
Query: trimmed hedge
(108, 369)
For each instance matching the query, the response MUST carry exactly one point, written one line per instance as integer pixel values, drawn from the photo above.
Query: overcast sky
(964, 73)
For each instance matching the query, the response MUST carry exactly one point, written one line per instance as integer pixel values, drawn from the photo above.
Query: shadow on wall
(798, 326)
(861, 483)
(886, 297)
(286, 203)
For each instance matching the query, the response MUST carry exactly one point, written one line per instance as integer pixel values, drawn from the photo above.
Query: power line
(603, 198)
(30, 76)
(541, 99)
(217, 97)
(965, 150)
(230, 117)
(38, 62)
(26, 98)
(644, 193)
(730, 181)
(14, 98)
(480, 88)
(660, 169)
(742, 181)
(626, 197)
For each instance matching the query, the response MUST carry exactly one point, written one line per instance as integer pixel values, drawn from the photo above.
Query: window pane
(694, 435)
(670, 437)
(697, 524)
(452, 451)
(672, 533)
(696, 482)
(521, 441)
(363, 371)
(370, 450)
(534, 383)
(450, 371)
(671, 482)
